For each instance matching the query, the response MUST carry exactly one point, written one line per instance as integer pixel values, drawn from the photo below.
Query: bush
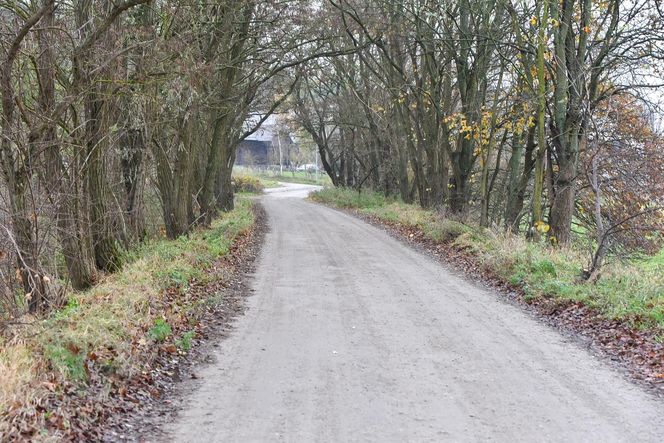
(247, 183)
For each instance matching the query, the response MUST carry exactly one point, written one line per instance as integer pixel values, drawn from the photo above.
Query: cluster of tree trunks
(478, 108)
(109, 106)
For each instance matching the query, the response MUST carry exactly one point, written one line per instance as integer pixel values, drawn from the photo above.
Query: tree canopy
(537, 117)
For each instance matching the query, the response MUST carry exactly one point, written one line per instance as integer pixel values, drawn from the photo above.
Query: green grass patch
(348, 198)
(299, 177)
(271, 179)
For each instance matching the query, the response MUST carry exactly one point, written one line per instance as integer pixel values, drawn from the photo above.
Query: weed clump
(160, 331)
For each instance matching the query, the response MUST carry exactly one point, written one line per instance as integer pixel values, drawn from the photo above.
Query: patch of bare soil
(639, 353)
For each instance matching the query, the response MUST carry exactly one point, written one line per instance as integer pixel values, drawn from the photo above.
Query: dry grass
(17, 367)
(112, 322)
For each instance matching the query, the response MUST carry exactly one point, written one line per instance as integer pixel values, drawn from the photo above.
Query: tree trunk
(63, 189)
(131, 163)
(458, 194)
(518, 181)
(175, 182)
(16, 164)
(602, 235)
(404, 185)
(538, 187)
(562, 208)
(224, 188)
(571, 99)
(106, 251)
(208, 196)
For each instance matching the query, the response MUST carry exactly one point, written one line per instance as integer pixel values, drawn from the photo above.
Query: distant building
(261, 149)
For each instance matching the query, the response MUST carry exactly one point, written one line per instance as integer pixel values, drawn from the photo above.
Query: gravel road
(352, 336)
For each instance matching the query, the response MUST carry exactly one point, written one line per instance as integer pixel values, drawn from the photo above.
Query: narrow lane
(352, 336)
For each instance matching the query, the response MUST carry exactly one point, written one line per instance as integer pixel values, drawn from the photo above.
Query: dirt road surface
(352, 336)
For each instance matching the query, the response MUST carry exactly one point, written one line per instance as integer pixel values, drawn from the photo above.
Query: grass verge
(630, 292)
(298, 177)
(272, 179)
(114, 331)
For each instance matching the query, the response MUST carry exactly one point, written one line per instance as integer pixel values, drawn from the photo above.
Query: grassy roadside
(272, 179)
(298, 177)
(115, 330)
(632, 292)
